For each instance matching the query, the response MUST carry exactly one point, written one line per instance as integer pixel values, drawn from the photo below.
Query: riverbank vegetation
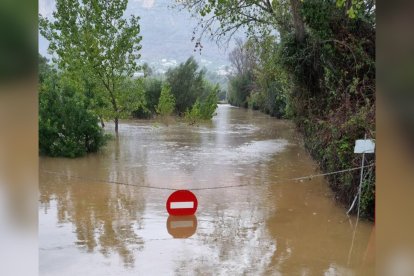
(311, 61)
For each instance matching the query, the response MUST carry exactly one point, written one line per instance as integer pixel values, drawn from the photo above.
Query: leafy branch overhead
(221, 20)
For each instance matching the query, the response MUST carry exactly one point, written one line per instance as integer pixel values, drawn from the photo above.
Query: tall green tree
(209, 105)
(94, 39)
(166, 102)
(152, 90)
(187, 84)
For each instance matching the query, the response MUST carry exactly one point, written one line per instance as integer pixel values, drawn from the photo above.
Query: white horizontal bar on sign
(182, 224)
(182, 205)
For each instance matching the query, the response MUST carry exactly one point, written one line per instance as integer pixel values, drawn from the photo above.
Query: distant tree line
(186, 83)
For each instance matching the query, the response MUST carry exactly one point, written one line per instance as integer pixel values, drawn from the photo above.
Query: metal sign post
(362, 146)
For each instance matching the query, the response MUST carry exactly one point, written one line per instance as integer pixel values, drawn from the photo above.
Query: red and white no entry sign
(182, 203)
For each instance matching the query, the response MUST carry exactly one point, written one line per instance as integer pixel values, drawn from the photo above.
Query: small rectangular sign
(364, 146)
(182, 205)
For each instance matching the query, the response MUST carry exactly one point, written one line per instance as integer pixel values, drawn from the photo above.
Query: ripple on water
(238, 129)
(252, 152)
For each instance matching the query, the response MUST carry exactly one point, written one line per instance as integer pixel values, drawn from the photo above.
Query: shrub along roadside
(331, 143)
(66, 127)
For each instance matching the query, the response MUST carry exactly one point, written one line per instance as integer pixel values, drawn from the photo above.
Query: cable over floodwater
(308, 177)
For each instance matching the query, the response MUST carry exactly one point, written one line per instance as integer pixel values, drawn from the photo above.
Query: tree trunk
(115, 106)
(102, 122)
(298, 20)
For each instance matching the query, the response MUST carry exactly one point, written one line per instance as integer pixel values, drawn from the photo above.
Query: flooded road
(253, 221)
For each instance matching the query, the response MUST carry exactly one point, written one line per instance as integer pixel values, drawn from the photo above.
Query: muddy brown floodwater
(263, 225)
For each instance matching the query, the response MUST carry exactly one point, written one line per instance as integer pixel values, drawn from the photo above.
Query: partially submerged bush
(66, 127)
(203, 110)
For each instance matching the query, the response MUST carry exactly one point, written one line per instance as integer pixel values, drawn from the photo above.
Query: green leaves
(187, 84)
(193, 115)
(351, 13)
(131, 96)
(166, 103)
(220, 18)
(94, 38)
(240, 87)
(340, 3)
(203, 110)
(355, 9)
(209, 105)
(66, 127)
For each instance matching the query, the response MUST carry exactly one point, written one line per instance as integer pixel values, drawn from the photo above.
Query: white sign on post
(364, 146)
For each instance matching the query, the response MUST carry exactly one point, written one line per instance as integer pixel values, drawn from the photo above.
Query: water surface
(261, 224)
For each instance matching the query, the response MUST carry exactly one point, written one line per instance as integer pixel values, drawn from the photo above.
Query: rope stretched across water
(308, 177)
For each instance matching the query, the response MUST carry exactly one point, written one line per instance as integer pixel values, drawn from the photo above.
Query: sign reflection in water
(181, 227)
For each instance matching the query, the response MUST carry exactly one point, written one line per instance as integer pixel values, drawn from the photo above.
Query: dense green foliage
(259, 82)
(98, 46)
(209, 105)
(220, 79)
(241, 83)
(66, 126)
(318, 70)
(152, 90)
(195, 97)
(187, 84)
(205, 109)
(166, 103)
(240, 87)
(193, 115)
(334, 97)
